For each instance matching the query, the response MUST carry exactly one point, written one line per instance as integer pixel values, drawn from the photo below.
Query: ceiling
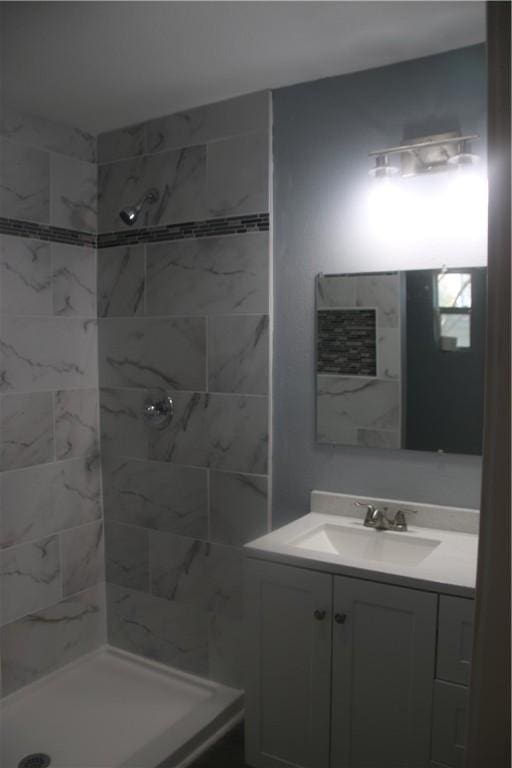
(102, 65)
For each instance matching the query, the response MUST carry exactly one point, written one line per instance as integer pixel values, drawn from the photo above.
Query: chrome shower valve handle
(158, 413)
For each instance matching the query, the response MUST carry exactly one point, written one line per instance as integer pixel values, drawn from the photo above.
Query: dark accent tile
(183, 231)
(346, 342)
(21, 228)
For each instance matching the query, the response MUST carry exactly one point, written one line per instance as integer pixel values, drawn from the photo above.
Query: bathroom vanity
(358, 640)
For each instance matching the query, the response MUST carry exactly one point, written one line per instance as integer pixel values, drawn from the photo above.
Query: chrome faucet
(377, 518)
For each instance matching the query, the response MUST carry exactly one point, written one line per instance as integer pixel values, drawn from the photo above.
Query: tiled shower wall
(185, 310)
(51, 561)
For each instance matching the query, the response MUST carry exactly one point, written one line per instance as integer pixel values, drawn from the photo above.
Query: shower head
(130, 214)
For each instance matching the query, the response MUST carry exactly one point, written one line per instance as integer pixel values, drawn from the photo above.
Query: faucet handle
(371, 509)
(399, 522)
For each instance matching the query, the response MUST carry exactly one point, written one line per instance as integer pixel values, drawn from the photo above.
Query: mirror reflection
(400, 359)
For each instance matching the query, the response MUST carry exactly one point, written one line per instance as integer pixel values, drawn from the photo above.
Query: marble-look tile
(141, 352)
(49, 639)
(179, 176)
(121, 143)
(347, 403)
(156, 495)
(219, 431)
(208, 576)
(74, 280)
(167, 632)
(238, 175)
(76, 423)
(335, 291)
(47, 353)
(210, 122)
(24, 183)
(127, 556)
(38, 501)
(121, 281)
(383, 292)
(26, 430)
(25, 276)
(29, 578)
(123, 429)
(378, 438)
(388, 353)
(218, 275)
(238, 507)
(83, 558)
(238, 354)
(226, 650)
(41, 133)
(73, 194)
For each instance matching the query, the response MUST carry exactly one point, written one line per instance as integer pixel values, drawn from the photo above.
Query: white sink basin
(367, 544)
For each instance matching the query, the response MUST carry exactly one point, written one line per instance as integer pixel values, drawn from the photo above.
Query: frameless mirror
(400, 359)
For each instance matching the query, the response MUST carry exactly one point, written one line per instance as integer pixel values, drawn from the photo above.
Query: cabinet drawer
(455, 639)
(449, 724)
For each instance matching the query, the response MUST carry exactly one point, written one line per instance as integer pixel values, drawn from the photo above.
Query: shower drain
(37, 760)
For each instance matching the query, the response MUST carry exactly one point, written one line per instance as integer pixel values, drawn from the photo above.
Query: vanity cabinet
(383, 657)
(455, 637)
(288, 679)
(340, 670)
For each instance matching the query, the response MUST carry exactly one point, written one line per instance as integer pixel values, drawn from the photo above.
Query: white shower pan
(112, 709)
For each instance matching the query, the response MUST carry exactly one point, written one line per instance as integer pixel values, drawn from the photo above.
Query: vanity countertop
(424, 558)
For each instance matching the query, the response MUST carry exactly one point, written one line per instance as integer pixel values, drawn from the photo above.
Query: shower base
(112, 709)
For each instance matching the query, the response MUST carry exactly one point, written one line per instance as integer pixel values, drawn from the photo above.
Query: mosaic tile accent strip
(347, 342)
(30, 229)
(233, 225)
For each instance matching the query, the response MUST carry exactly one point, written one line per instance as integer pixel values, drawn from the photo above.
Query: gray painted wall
(323, 132)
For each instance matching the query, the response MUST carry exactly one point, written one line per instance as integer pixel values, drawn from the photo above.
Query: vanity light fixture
(426, 154)
(383, 168)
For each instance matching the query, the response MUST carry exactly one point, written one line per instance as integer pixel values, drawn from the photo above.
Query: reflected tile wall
(182, 500)
(347, 404)
(355, 410)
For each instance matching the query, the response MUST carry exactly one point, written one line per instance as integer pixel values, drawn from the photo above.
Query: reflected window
(453, 310)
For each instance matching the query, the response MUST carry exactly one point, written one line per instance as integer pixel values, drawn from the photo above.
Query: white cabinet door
(455, 638)
(288, 665)
(383, 669)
